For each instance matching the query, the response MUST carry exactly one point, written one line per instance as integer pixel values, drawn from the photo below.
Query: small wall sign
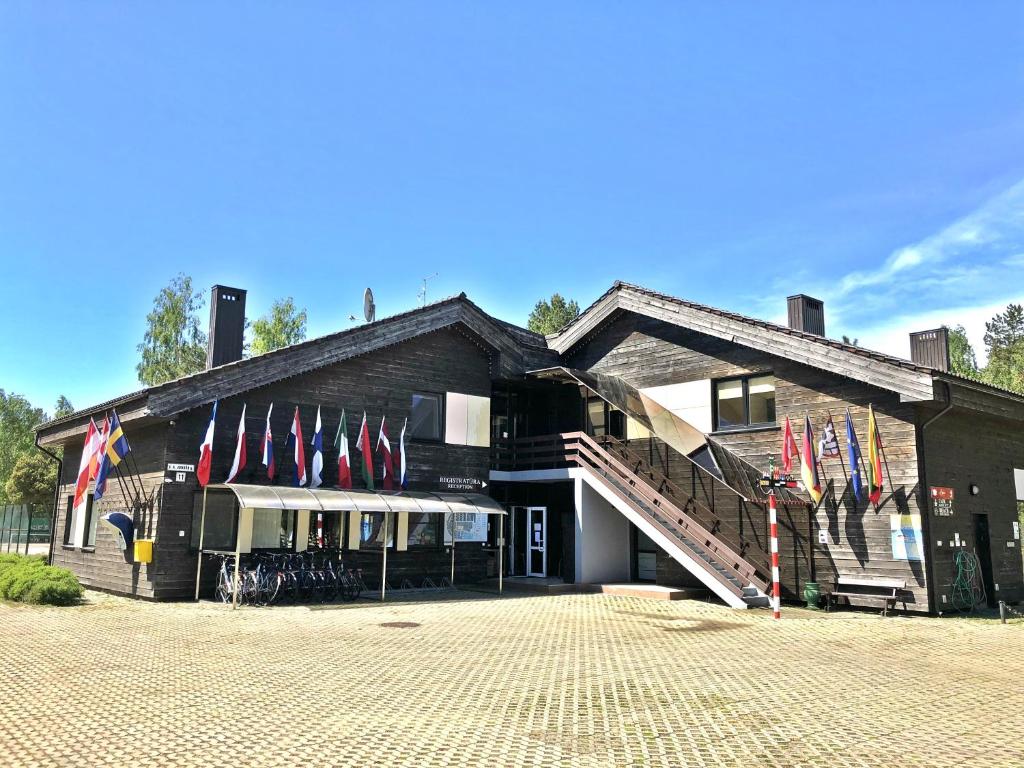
(942, 501)
(451, 483)
(181, 467)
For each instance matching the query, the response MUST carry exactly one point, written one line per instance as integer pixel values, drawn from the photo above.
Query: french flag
(206, 451)
(239, 462)
(318, 452)
(295, 437)
(268, 447)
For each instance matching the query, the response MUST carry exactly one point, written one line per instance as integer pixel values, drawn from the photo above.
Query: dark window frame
(68, 531)
(89, 546)
(745, 382)
(438, 522)
(442, 400)
(194, 550)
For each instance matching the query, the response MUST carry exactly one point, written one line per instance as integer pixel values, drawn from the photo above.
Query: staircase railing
(576, 449)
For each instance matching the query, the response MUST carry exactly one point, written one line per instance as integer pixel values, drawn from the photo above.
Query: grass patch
(31, 580)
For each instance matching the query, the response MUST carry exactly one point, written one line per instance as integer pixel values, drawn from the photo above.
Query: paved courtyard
(585, 680)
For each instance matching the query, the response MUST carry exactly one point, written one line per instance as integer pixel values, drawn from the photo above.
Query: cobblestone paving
(579, 680)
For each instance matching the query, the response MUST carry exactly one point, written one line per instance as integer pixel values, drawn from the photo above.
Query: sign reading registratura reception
(942, 501)
(466, 484)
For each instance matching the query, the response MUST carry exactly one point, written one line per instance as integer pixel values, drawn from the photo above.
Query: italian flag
(344, 461)
(366, 452)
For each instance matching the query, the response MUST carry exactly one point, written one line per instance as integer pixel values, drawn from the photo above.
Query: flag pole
(842, 463)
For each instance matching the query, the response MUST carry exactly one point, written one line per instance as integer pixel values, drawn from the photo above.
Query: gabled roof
(514, 351)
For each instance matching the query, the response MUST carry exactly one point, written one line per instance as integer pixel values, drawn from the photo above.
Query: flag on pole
(403, 479)
(828, 446)
(875, 484)
(295, 438)
(363, 443)
(86, 463)
(206, 450)
(853, 448)
(101, 449)
(268, 446)
(238, 464)
(115, 448)
(318, 454)
(344, 461)
(384, 446)
(809, 463)
(789, 449)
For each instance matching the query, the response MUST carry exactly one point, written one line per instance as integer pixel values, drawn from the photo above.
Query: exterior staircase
(684, 527)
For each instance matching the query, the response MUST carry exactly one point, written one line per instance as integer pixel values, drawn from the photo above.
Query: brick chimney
(806, 314)
(931, 348)
(227, 325)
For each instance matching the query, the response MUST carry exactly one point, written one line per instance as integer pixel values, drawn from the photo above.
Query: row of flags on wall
(394, 464)
(105, 448)
(811, 456)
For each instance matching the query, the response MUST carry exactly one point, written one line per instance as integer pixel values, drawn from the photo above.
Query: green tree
(32, 480)
(848, 340)
(281, 326)
(1004, 340)
(174, 344)
(962, 359)
(63, 408)
(551, 316)
(18, 420)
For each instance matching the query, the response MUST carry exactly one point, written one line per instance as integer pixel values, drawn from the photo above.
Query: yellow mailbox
(143, 550)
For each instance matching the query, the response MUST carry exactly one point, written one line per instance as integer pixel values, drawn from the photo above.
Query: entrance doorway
(645, 556)
(527, 541)
(983, 549)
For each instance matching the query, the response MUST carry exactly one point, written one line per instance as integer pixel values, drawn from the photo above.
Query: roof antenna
(369, 308)
(422, 296)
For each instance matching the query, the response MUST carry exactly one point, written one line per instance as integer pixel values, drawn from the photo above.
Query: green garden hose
(968, 590)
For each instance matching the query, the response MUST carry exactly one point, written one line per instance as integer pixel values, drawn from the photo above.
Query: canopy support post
(453, 552)
(202, 530)
(384, 560)
(238, 557)
(501, 553)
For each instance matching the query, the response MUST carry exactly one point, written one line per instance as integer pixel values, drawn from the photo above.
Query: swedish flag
(116, 449)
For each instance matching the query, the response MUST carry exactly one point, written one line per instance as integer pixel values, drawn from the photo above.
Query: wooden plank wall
(995, 447)
(105, 566)
(381, 383)
(647, 352)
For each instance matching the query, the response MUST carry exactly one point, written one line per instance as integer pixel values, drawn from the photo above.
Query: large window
(425, 417)
(424, 529)
(333, 523)
(221, 518)
(371, 530)
(748, 401)
(69, 522)
(273, 529)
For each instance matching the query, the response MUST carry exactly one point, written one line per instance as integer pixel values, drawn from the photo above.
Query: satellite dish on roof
(369, 308)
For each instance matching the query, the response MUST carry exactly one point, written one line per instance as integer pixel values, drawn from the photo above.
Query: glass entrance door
(537, 541)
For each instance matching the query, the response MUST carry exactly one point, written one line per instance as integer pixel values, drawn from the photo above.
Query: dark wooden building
(627, 447)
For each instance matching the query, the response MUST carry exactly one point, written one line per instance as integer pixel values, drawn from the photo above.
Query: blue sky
(870, 154)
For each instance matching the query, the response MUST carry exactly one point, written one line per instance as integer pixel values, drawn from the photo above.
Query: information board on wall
(942, 501)
(905, 531)
(465, 526)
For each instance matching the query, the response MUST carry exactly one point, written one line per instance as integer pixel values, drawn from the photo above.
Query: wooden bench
(885, 591)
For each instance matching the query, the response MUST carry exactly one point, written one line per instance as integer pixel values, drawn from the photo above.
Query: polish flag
(344, 460)
(206, 450)
(384, 446)
(318, 453)
(87, 462)
(239, 463)
(403, 478)
(789, 449)
(268, 446)
(295, 436)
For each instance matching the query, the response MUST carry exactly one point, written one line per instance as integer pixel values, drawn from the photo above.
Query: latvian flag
(295, 437)
(206, 450)
(268, 446)
(384, 446)
(366, 453)
(238, 464)
(344, 461)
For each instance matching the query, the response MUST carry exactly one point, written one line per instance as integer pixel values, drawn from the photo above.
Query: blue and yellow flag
(116, 449)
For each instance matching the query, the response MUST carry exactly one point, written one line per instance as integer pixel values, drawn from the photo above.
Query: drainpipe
(922, 474)
(56, 497)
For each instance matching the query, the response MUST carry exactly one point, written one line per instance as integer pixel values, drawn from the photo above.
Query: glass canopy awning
(338, 500)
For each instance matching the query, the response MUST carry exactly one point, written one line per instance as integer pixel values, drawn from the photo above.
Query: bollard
(1002, 611)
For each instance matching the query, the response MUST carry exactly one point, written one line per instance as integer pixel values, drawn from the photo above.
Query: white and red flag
(295, 436)
(268, 446)
(363, 443)
(206, 450)
(403, 479)
(384, 446)
(238, 464)
(789, 449)
(87, 462)
(344, 460)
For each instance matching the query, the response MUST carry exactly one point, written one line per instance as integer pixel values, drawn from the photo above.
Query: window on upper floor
(425, 417)
(745, 401)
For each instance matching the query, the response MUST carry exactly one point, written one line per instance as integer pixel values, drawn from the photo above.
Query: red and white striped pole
(320, 530)
(774, 525)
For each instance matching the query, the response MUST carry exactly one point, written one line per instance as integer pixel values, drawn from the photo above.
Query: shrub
(31, 580)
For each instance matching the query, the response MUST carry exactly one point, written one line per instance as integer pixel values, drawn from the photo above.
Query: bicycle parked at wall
(269, 578)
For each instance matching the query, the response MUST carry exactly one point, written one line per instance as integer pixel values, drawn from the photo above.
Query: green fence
(22, 526)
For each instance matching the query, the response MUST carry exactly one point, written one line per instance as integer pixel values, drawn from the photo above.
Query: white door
(537, 541)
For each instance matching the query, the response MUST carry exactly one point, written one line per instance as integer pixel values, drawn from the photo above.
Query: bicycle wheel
(272, 587)
(223, 591)
(289, 587)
